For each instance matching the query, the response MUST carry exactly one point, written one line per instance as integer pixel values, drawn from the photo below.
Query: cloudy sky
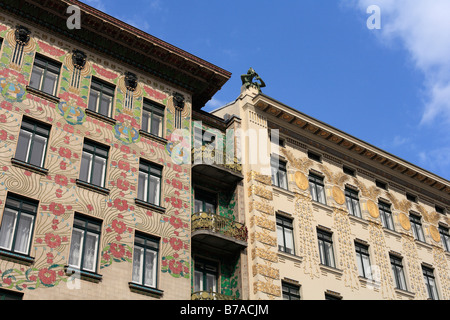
(389, 87)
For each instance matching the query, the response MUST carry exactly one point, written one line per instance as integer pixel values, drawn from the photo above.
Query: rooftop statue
(251, 79)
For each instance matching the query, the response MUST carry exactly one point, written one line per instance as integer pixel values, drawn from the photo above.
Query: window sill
(92, 187)
(16, 257)
(290, 256)
(405, 293)
(84, 275)
(149, 205)
(283, 191)
(27, 166)
(321, 205)
(423, 244)
(333, 270)
(101, 117)
(392, 232)
(358, 220)
(153, 137)
(42, 94)
(148, 291)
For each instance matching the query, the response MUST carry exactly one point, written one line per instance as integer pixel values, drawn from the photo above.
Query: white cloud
(214, 104)
(423, 28)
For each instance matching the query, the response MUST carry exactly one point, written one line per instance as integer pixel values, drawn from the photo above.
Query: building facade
(116, 185)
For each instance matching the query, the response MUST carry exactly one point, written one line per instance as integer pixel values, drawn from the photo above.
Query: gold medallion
(373, 209)
(434, 232)
(404, 221)
(301, 180)
(338, 195)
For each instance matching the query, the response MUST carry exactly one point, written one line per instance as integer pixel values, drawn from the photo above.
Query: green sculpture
(251, 79)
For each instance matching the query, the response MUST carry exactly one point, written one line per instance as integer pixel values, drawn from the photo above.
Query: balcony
(205, 295)
(211, 231)
(216, 166)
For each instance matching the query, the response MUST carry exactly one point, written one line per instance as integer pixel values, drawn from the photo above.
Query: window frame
(326, 237)
(205, 197)
(285, 223)
(290, 290)
(43, 62)
(386, 212)
(428, 273)
(362, 251)
(22, 200)
(152, 108)
(416, 227)
(279, 171)
(315, 181)
(150, 166)
(445, 237)
(155, 248)
(204, 273)
(398, 272)
(352, 196)
(102, 84)
(94, 154)
(87, 220)
(34, 132)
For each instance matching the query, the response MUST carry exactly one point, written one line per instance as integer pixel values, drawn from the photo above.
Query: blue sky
(389, 87)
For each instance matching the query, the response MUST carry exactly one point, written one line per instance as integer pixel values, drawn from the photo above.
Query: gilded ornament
(404, 221)
(301, 180)
(338, 195)
(434, 232)
(373, 209)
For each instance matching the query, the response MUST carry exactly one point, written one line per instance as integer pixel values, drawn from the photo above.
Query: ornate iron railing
(206, 155)
(216, 223)
(205, 295)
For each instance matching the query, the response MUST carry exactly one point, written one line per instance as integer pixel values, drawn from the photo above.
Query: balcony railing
(205, 155)
(215, 223)
(205, 295)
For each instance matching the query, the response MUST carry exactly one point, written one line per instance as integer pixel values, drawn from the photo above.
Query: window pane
(105, 105)
(157, 125)
(210, 207)
(211, 283)
(402, 281)
(138, 254)
(76, 244)
(150, 268)
(329, 253)
(98, 172)
(198, 281)
(283, 179)
(312, 189)
(154, 190)
(7, 228)
(366, 264)
(289, 241)
(198, 206)
(38, 150)
(50, 82)
(320, 194)
(280, 237)
(36, 77)
(145, 121)
(85, 167)
(93, 100)
(142, 186)
(23, 145)
(90, 252)
(23, 234)
(356, 209)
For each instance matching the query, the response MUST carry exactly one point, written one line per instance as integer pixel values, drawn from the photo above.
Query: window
(279, 174)
(445, 237)
(430, 283)
(32, 142)
(397, 270)
(101, 97)
(363, 260)
(84, 243)
(439, 210)
(10, 295)
(314, 156)
(411, 197)
(290, 291)
(17, 226)
(205, 202)
(381, 184)
(285, 234)
(152, 118)
(332, 296)
(349, 171)
(317, 188)
(326, 248)
(352, 200)
(416, 226)
(149, 188)
(386, 215)
(45, 75)
(93, 163)
(205, 276)
(145, 260)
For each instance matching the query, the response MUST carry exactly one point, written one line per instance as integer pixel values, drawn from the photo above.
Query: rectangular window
(439, 210)
(279, 173)
(32, 142)
(349, 171)
(149, 188)
(93, 163)
(205, 276)
(314, 156)
(352, 200)
(290, 291)
(430, 283)
(326, 248)
(101, 97)
(205, 202)
(45, 75)
(445, 237)
(153, 118)
(317, 188)
(386, 215)
(381, 184)
(145, 260)
(10, 295)
(17, 226)
(285, 234)
(84, 243)
(363, 260)
(397, 270)
(416, 226)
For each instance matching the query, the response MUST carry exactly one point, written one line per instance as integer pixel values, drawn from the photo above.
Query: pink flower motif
(3, 135)
(119, 226)
(123, 184)
(124, 165)
(61, 180)
(121, 205)
(57, 209)
(177, 184)
(65, 153)
(176, 244)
